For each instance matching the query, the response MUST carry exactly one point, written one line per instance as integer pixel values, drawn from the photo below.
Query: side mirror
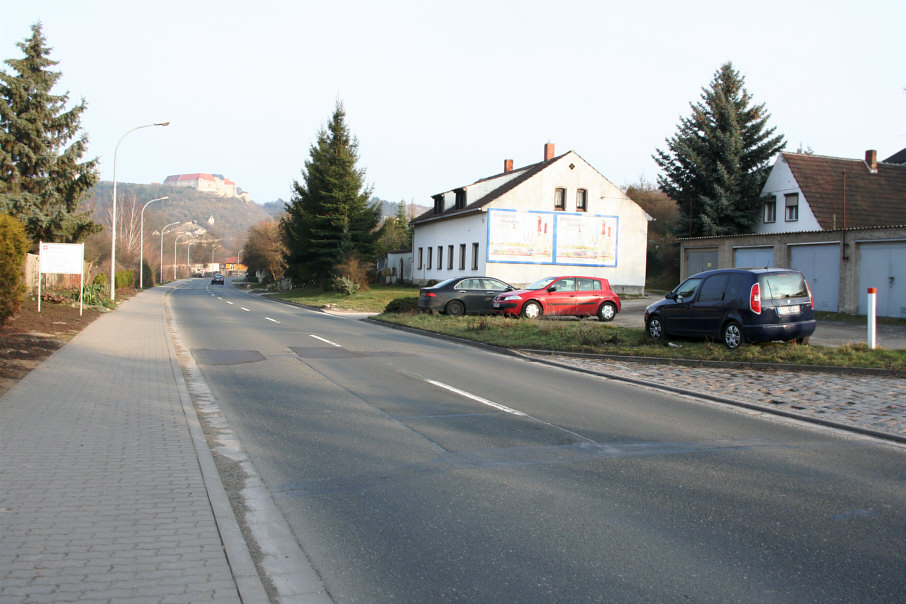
(552, 289)
(670, 295)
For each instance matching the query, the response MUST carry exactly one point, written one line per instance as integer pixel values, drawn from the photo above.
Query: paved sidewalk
(108, 492)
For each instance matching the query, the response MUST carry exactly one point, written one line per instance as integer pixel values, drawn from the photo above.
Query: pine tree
(42, 180)
(329, 217)
(716, 164)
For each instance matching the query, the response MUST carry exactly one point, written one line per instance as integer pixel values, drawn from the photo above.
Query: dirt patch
(31, 336)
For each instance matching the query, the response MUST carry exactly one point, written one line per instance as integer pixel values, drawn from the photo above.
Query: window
(460, 199)
(559, 199)
(687, 289)
(474, 256)
(420, 251)
(770, 211)
(440, 257)
(462, 256)
(792, 207)
(581, 200)
(450, 257)
(438, 204)
(589, 285)
(713, 288)
(430, 250)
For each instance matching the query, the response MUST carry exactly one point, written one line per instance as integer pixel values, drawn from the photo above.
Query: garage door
(752, 257)
(700, 260)
(821, 266)
(882, 266)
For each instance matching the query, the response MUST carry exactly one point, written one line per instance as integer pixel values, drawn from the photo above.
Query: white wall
(537, 194)
(780, 182)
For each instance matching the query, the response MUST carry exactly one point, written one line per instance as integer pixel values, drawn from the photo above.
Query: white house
(841, 222)
(559, 216)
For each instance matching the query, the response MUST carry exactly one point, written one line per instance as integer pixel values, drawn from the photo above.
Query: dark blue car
(736, 305)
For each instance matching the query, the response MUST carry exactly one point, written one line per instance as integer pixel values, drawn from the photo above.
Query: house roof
(897, 158)
(527, 172)
(846, 193)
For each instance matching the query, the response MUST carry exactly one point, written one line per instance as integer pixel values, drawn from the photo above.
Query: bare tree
(265, 250)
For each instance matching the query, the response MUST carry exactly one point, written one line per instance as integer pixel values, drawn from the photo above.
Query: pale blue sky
(440, 93)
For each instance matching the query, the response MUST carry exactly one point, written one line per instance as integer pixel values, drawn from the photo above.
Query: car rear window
(780, 286)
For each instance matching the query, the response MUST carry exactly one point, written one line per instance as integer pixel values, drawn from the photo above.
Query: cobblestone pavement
(866, 403)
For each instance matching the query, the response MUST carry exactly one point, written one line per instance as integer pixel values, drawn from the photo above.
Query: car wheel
(607, 311)
(732, 335)
(454, 308)
(655, 328)
(532, 310)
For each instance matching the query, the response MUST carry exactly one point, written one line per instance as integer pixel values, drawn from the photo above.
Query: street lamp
(113, 217)
(188, 248)
(162, 231)
(174, 252)
(141, 245)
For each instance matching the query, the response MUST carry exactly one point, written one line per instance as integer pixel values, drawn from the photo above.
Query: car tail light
(810, 299)
(430, 295)
(755, 299)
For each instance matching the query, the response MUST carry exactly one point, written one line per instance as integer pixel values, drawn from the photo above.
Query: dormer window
(460, 199)
(438, 204)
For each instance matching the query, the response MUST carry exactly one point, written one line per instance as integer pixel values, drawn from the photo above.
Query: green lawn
(586, 336)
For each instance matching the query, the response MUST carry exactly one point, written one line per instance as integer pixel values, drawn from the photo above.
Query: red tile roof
(845, 193)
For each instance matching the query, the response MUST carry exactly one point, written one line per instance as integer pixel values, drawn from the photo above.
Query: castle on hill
(208, 183)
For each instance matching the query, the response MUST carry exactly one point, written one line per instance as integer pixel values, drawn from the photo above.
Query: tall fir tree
(42, 178)
(329, 217)
(716, 164)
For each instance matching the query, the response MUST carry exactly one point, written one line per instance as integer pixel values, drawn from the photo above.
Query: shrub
(147, 275)
(402, 305)
(354, 270)
(125, 278)
(13, 247)
(101, 279)
(344, 285)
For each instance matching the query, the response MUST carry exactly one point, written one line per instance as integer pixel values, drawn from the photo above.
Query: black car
(217, 279)
(736, 306)
(461, 295)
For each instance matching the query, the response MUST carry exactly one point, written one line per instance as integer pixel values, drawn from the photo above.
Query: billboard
(552, 238)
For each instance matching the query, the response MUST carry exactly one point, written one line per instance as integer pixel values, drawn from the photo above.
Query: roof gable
(846, 193)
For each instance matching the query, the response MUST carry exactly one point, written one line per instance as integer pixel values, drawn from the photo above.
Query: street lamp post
(141, 245)
(174, 252)
(188, 248)
(162, 231)
(113, 216)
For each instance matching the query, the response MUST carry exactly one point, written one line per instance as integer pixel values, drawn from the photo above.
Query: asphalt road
(412, 469)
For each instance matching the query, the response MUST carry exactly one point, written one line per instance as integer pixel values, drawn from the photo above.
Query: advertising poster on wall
(552, 238)
(520, 236)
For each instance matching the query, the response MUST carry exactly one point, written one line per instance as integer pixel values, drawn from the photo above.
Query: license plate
(496, 304)
(787, 310)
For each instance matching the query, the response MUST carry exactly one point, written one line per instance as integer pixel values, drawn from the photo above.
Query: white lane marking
(228, 302)
(326, 341)
(474, 397)
(245, 309)
(272, 320)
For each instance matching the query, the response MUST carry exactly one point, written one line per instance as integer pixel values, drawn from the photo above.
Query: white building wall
(781, 182)
(537, 194)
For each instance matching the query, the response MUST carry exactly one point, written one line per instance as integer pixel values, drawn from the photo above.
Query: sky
(439, 93)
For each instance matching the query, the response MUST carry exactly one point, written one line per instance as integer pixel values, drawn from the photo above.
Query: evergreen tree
(716, 164)
(42, 180)
(329, 217)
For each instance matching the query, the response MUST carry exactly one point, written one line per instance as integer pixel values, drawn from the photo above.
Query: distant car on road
(217, 279)
(735, 306)
(462, 295)
(569, 295)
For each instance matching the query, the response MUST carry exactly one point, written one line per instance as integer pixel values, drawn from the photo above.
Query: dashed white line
(272, 320)
(325, 341)
(228, 302)
(245, 309)
(474, 397)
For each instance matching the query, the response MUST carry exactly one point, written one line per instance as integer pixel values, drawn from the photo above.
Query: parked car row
(555, 296)
(729, 305)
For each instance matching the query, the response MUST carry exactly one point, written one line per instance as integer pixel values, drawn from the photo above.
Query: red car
(576, 296)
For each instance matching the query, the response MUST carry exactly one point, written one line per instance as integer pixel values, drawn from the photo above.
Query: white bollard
(872, 311)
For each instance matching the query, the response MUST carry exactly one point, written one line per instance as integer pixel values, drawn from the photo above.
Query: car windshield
(541, 283)
(783, 285)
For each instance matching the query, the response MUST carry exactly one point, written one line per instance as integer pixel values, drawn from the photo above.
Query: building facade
(559, 216)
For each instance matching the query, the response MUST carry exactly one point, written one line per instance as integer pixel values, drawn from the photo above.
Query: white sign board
(62, 258)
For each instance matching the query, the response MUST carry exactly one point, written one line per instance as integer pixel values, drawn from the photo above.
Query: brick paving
(102, 492)
(862, 402)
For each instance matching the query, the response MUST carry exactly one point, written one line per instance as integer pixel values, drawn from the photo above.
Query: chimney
(548, 151)
(507, 165)
(871, 158)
